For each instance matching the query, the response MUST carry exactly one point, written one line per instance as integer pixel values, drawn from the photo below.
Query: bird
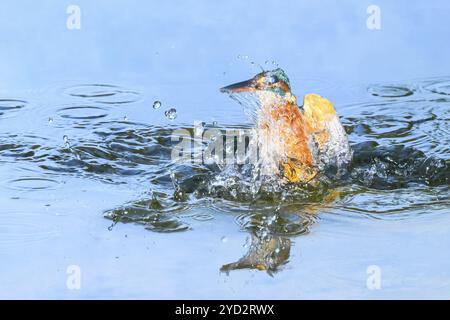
(298, 142)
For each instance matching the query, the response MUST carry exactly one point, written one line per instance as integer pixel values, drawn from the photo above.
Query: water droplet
(179, 195)
(224, 239)
(199, 128)
(50, 120)
(156, 104)
(247, 243)
(125, 118)
(215, 123)
(272, 219)
(66, 141)
(174, 179)
(171, 114)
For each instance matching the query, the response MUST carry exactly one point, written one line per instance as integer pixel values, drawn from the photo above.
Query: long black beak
(244, 86)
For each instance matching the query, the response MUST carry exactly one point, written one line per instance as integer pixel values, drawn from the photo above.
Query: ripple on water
(390, 91)
(19, 229)
(33, 184)
(397, 121)
(282, 223)
(9, 107)
(440, 87)
(419, 123)
(23, 148)
(203, 216)
(158, 214)
(103, 93)
(396, 204)
(82, 112)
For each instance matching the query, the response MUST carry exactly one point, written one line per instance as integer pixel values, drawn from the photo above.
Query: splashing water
(171, 114)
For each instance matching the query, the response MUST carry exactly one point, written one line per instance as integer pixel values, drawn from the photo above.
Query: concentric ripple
(103, 93)
(9, 107)
(390, 91)
(439, 87)
(33, 184)
(82, 112)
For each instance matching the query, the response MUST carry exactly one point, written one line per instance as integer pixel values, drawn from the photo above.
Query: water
(87, 177)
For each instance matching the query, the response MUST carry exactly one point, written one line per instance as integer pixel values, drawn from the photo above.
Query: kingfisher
(298, 142)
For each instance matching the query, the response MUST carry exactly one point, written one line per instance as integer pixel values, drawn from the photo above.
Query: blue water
(52, 212)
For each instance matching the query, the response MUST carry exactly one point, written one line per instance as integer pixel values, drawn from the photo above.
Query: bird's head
(274, 81)
(267, 89)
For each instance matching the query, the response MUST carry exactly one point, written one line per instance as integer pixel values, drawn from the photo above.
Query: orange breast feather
(297, 129)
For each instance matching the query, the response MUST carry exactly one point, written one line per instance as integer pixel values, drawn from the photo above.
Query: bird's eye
(271, 80)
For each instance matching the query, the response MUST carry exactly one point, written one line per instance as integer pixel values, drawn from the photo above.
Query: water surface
(86, 176)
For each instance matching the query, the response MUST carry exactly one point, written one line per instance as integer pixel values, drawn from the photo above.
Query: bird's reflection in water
(266, 252)
(271, 234)
(271, 228)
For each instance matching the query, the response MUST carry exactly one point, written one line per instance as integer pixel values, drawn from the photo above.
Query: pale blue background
(181, 52)
(196, 40)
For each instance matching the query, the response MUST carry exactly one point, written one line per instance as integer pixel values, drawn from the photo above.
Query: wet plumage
(299, 141)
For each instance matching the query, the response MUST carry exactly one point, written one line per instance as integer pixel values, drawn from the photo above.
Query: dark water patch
(23, 148)
(396, 204)
(157, 213)
(397, 166)
(117, 151)
(416, 123)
